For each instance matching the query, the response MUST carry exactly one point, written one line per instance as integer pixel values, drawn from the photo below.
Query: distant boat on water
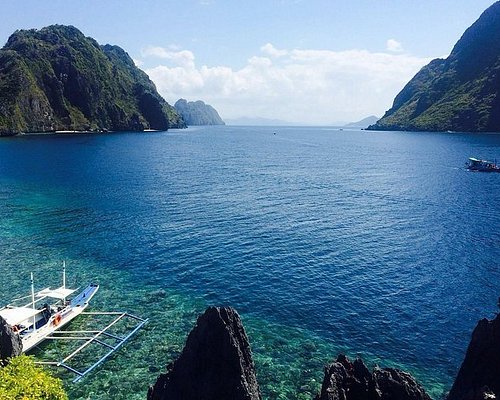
(482, 165)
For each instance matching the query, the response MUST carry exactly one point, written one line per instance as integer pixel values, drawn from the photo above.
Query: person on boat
(47, 311)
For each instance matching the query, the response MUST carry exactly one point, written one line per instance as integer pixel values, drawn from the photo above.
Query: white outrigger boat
(40, 320)
(34, 323)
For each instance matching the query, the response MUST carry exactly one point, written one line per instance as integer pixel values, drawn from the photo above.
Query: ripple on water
(324, 242)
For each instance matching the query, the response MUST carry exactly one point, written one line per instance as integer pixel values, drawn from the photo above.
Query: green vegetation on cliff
(55, 78)
(22, 379)
(198, 113)
(460, 93)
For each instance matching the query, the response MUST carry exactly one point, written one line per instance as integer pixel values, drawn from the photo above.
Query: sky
(317, 62)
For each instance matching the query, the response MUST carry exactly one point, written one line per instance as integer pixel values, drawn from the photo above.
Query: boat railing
(104, 337)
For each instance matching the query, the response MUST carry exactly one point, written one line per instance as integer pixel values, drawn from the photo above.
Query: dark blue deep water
(379, 244)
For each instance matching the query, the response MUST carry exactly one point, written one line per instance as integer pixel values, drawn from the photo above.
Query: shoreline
(75, 132)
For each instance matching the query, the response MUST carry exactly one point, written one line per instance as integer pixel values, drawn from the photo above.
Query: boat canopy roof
(475, 160)
(59, 293)
(16, 315)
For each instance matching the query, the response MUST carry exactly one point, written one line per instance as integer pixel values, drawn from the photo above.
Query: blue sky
(314, 61)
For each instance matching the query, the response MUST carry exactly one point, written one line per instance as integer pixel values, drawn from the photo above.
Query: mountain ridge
(459, 93)
(363, 123)
(57, 79)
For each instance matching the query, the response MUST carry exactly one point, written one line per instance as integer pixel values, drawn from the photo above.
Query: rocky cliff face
(55, 78)
(198, 113)
(216, 363)
(479, 375)
(461, 93)
(346, 380)
(10, 342)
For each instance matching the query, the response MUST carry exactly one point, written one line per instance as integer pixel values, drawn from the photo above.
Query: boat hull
(62, 317)
(484, 169)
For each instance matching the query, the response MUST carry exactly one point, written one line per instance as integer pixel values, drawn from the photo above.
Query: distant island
(258, 121)
(56, 79)
(198, 113)
(460, 93)
(364, 123)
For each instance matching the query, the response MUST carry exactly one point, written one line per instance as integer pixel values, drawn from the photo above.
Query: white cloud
(311, 86)
(272, 51)
(182, 58)
(138, 63)
(394, 46)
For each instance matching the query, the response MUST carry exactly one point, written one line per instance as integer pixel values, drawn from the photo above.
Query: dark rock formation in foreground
(216, 363)
(460, 93)
(346, 380)
(10, 342)
(198, 113)
(479, 375)
(55, 78)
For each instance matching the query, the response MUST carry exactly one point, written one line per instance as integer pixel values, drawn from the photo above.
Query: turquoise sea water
(377, 244)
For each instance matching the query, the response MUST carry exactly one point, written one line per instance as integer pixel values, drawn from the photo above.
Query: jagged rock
(215, 364)
(479, 375)
(346, 380)
(10, 342)
(396, 385)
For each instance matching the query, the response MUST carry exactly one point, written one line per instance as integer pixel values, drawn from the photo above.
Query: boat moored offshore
(475, 164)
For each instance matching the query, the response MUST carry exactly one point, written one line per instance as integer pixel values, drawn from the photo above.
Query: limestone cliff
(55, 78)
(198, 113)
(459, 93)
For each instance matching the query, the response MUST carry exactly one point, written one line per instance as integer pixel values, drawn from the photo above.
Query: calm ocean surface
(377, 244)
